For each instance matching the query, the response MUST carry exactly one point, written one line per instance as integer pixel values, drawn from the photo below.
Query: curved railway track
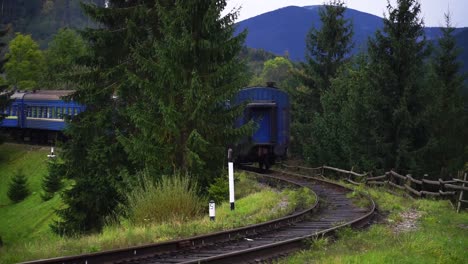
(332, 211)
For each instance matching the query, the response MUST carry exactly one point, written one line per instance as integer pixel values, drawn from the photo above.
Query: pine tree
(4, 95)
(397, 57)
(52, 182)
(327, 50)
(93, 156)
(186, 75)
(447, 118)
(18, 188)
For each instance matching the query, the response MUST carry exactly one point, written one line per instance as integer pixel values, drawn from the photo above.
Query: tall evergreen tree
(186, 77)
(396, 72)
(447, 118)
(327, 50)
(93, 156)
(4, 95)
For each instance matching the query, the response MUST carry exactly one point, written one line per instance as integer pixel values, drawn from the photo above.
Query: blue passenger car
(269, 108)
(40, 110)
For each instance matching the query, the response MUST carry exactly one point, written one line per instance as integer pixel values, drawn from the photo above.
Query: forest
(398, 105)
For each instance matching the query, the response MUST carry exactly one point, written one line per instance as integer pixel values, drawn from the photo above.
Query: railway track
(332, 211)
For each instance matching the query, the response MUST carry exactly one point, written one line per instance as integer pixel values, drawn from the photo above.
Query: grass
(25, 231)
(30, 218)
(440, 236)
(254, 208)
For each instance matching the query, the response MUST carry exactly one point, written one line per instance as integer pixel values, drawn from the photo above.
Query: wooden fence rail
(455, 189)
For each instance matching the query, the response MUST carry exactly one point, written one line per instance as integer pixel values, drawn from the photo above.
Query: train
(40, 116)
(269, 107)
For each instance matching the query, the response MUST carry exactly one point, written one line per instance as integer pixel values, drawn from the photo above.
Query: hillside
(285, 29)
(462, 40)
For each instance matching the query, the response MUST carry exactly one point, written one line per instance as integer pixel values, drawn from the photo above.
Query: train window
(53, 113)
(13, 110)
(29, 111)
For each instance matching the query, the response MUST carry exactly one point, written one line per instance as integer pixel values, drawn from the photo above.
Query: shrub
(173, 198)
(219, 190)
(52, 182)
(18, 188)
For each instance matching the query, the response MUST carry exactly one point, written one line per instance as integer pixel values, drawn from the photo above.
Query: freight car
(269, 108)
(39, 115)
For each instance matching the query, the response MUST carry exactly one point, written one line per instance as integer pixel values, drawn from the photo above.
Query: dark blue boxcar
(269, 107)
(41, 109)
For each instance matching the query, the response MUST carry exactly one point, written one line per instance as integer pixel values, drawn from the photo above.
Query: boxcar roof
(47, 94)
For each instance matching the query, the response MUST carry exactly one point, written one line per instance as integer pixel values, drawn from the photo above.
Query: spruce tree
(18, 188)
(327, 50)
(52, 182)
(187, 75)
(4, 95)
(447, 118)
(93, 157)
(397, 55)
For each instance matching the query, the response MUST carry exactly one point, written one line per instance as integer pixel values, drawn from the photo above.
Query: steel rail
(115, 255)
(234, 246)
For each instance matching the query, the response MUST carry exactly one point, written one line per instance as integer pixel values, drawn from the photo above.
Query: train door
(262, 116)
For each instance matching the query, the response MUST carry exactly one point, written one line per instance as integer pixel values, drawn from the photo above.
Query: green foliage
(266, 204)
(277, 70)
(52, 182)
(438, 236)
(4, 96)
(219, 190)
(43, 18)
(61, 59)
(327, 51)
(25, 62)
(172, 199)
(187, 74)
(18, 188)
(447, 118)
(397, 73)
(93, 157)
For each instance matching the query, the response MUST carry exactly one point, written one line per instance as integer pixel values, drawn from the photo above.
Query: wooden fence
(456, 190)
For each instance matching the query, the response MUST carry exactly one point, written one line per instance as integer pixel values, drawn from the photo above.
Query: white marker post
(52, 154)
(212, 209)
(231, 179)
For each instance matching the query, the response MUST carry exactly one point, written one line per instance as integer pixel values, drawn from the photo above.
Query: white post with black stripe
(212, 210)
(231, 178)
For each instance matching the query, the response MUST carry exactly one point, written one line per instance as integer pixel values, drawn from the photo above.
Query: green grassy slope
(28, 219)
(411, 231)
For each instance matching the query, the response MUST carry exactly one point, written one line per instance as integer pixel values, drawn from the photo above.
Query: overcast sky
(432, 10)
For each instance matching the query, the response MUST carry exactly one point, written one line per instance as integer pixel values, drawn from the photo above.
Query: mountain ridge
(283, 31)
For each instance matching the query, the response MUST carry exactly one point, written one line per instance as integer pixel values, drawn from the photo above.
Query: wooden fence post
(460, 198)
(423, 187)
(390, 177)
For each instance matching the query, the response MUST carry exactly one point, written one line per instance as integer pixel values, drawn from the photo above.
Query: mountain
(285, 30)
(462, 41)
